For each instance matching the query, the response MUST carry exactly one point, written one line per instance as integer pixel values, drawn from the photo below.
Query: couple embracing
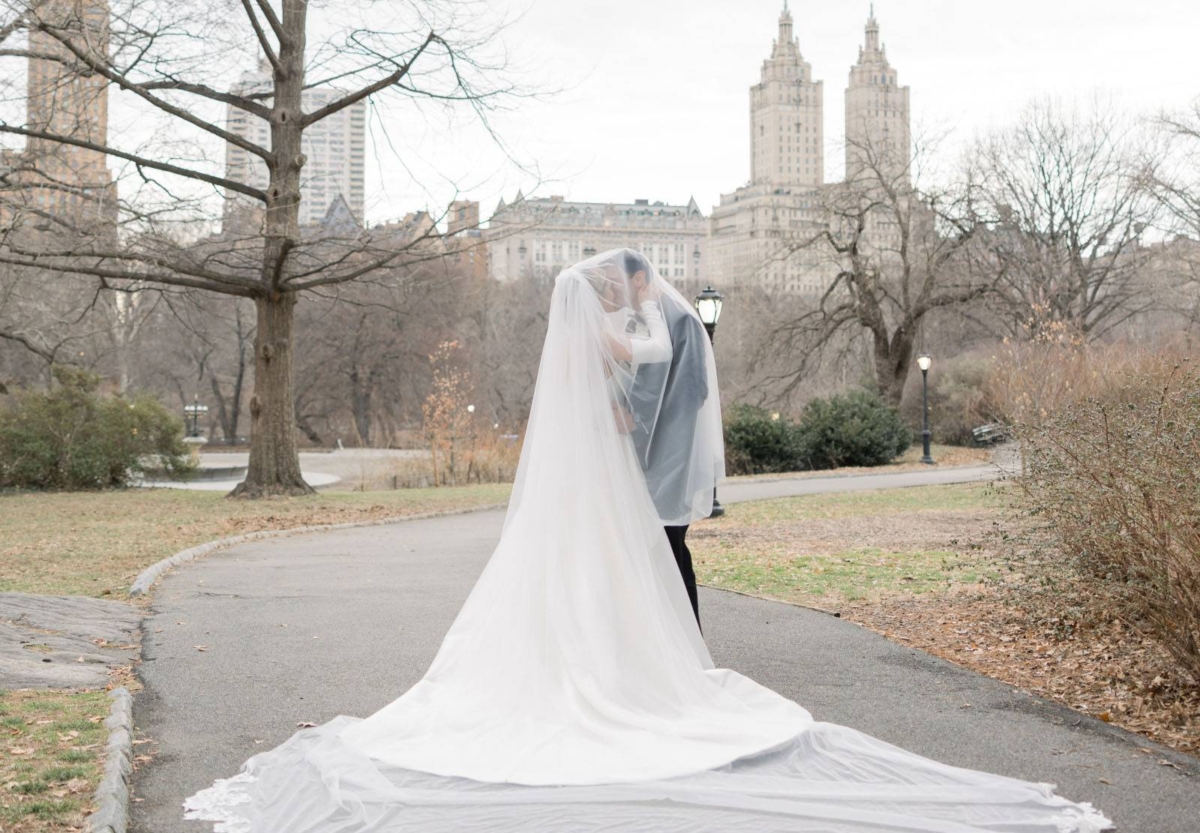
(574, 690)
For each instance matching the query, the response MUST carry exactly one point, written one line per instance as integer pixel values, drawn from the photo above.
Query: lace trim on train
(1084, 819)
(215, 804)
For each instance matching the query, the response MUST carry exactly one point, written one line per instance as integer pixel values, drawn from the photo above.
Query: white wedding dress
(574, 691)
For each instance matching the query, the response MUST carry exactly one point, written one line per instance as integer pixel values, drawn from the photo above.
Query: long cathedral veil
(574, 692)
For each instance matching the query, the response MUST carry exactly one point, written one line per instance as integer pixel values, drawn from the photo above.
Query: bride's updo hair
(593, 275)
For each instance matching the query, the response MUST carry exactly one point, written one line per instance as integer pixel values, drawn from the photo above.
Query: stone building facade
(70, 183)
(536, 238)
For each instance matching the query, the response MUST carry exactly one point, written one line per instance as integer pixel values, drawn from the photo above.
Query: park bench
(990, 434)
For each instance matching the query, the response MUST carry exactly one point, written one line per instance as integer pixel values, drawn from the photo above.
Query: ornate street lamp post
(924, 361)
(194, 412)
(708, 307)
(192, 437)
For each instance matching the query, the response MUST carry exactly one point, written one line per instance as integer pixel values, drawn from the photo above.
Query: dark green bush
(853, 429)
(71, 437)
(756, 443)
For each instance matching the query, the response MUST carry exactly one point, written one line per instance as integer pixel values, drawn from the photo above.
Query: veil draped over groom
(678, 419)
(574, 692)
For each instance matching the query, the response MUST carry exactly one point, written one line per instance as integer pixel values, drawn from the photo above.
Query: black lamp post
(924, 361)
(193, 412)
(708, 307)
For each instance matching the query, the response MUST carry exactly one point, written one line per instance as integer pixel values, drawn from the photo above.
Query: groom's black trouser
(683, 557)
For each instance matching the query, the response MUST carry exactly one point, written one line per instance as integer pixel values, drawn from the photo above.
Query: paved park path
(308, 627)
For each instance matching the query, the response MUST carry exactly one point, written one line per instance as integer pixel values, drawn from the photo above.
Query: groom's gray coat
(664, 434)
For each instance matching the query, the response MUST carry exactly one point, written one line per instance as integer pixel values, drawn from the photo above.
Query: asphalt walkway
(244, 644)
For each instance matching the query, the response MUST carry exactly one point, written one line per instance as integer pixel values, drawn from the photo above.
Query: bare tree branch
(383, 83)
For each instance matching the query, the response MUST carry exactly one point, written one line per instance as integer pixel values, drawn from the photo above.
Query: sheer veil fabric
(574, 691)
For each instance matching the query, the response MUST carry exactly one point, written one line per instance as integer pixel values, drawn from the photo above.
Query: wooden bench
(990, 434)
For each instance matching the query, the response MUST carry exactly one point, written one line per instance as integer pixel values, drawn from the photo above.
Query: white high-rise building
(877, 113)
(334, 148)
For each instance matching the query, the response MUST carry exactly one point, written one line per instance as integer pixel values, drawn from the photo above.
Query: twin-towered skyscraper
(754, 229)
(751, 236)
(787, 113)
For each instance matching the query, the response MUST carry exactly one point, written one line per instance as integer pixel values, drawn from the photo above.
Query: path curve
(244, 644)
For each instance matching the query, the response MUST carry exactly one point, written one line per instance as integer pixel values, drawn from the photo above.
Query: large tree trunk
(274, 456)
(893, 361)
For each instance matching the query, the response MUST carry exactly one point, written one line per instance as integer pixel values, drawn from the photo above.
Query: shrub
(853, 429)
(1114, 479)
(957, 399)
(759, 442)
(71, 437)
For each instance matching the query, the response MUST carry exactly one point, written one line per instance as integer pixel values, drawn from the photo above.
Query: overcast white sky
(657, 91)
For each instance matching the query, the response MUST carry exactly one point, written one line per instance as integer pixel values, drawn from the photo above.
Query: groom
(663, 434)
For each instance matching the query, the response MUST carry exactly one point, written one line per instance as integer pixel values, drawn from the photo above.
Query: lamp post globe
(708, 306)
(925, 361)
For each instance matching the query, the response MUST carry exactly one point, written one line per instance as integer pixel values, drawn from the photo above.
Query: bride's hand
(648, 292)
(624, 419)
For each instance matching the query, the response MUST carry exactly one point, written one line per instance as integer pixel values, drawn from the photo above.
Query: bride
(574, 691)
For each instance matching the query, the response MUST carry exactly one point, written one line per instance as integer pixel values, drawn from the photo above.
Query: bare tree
(1071, 204)
(1175, 180)
(166, 58)
(366, 362)
(47, 319)
(504, 329)
(897, 252)
(197, 344)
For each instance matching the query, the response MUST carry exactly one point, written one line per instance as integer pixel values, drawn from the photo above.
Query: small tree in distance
(448, 419)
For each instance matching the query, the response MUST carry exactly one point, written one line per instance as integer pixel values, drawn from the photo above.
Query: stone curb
(112, 796)
(146, 578)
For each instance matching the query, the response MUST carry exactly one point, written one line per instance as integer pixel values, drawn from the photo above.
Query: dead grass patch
(95, 543)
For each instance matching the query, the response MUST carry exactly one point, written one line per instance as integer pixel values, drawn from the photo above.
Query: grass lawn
(49, 758)
(946, 456)
(95, 543)
(801, 549)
